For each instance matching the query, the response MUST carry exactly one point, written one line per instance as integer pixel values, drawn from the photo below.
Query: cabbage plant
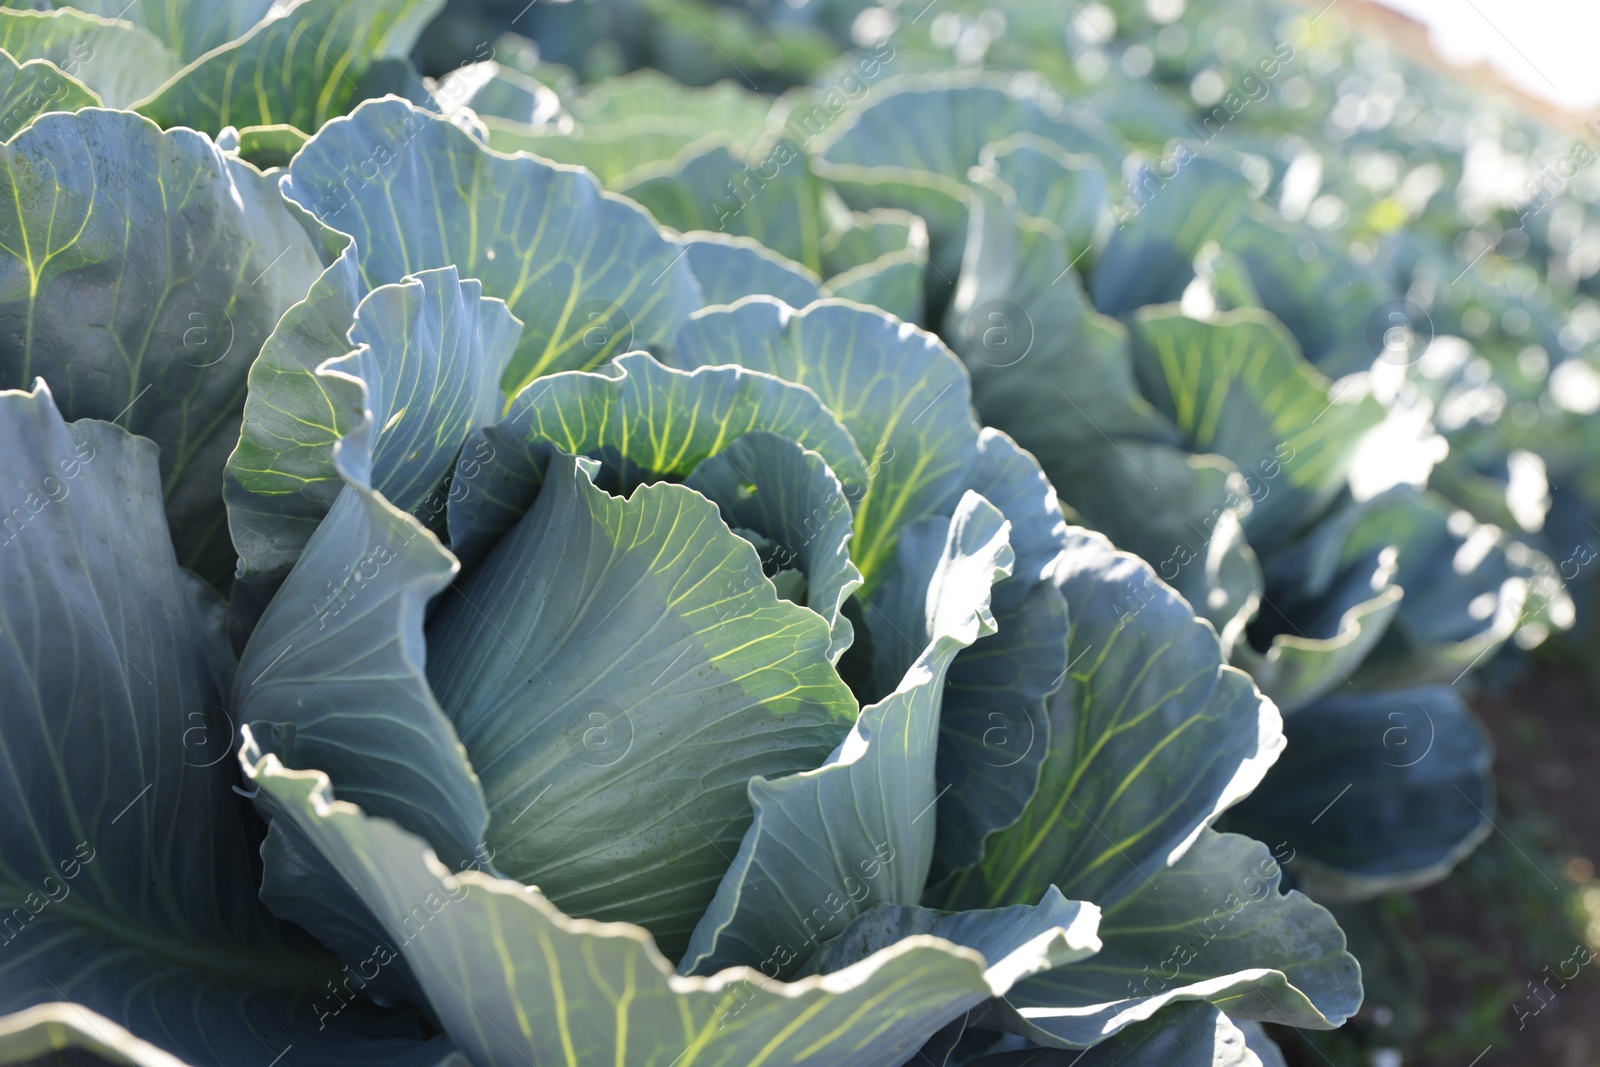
(619, 679)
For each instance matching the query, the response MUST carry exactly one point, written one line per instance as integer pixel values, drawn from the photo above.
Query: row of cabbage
(624, 548)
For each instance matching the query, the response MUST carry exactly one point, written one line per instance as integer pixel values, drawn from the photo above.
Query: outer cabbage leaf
(937, 127)
(730, 268)
(336, 666)
(118, 60)
(870, 800)
(28, 90)
(126, 878)
(190, 28)
(509, 978)
(1378, 793)
(1151, 738)
(1045, 366)
(298, 68)
(1239, 387)
(725, 107)
(1182, 512)
(1466, 584)
(140, 273)
(586, 273)
(768, 194)
(1186, 1034)
(786, 494)
(1217, 918)
(1045, 181)
(994, 730)
(611, 152)
(1162, 227)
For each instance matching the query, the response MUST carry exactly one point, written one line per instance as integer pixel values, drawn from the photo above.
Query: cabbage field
(662, 533)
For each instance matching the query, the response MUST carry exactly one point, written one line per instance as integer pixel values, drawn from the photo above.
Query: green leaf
(610, 152)
(126, 878)
(1317, 629)
(270, 146)
(894, 284)
(1045, 181)
(859, 238)
(1181, 512)
(768, 193)
(297, 69)
(190, 28)
(647, 95)
(1068, 926)
(1045, 367)
(493, 90)
(1239, 387)
(878, 258)
(1378, 793)
(1466, 584)
(118, 61)
(510, 979)
(730, 268)
(566, 258)
(336, 664)
(28, 90)
(425, 372)
(1320, 294)
(618, 670)
(430, 351)
(994, 730)
(1165, 221)
(768, 484)
(928, 132)
(899, 392)
(1217, 919)
(1151, 738)
(791, 883)
(280, 480)
(140, 273)
(643, 423)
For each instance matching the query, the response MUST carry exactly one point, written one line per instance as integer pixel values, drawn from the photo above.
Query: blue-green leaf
(791, 887)
(1068, 926)
(1217, 920)
(618, 671)
(1045, 366)
(511, 980)
(587, 274)
(1378, 793)
(140, 273)
(1181, 512)
(729, 268)
(1151, 738)
(900, 393)
(430, 351)
(784, 492)
(644, 422)
(28, 90)
(1239, 387)
(190, 28)
(298, 68)
(126, 872)
(769, 194)
(118, 60)
(1185, 1034)
(337, 664)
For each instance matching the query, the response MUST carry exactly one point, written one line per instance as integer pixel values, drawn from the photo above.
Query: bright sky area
(1544, 46)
